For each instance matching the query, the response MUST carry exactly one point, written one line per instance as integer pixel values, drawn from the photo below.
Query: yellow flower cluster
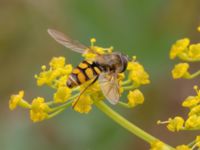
(193, 120)
(39, 110)
(137, 74)
(56, 76)
(135, 97)
(186, 52)
(99, 50)
(62, 94)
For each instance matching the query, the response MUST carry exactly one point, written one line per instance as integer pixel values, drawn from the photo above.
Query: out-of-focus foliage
(143, 28)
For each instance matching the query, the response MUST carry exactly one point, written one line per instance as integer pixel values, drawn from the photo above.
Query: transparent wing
(110, 87)
(67, 42)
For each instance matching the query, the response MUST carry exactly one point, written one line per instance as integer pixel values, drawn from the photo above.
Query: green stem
(184, 56)
(55, 113)
(130, 87)
(124, 104)
(66, 105)
(59, 109)
(127, 124)
(72, 97)
(194, 75)
(126, 82)
(191, 144)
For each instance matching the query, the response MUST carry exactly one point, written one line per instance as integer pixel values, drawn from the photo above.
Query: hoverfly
(104, 68)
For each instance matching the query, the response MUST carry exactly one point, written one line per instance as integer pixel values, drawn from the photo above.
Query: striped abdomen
(82, 73)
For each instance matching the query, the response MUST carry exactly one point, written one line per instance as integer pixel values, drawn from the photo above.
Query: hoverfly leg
(78, 98)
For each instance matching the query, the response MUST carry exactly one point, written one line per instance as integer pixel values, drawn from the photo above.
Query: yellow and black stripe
(83, 72)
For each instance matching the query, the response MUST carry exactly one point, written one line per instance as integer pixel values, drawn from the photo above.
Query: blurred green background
(146, 29)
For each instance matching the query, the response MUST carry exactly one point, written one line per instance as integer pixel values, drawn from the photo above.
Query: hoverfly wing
(110, 87)
(67, 42)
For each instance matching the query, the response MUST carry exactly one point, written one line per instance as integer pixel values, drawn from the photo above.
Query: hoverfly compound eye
(124, 62)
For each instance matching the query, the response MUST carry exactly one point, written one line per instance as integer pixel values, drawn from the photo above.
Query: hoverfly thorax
(114, 62)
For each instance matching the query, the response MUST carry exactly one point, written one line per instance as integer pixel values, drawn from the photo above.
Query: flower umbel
(82, 98)
(56, 75)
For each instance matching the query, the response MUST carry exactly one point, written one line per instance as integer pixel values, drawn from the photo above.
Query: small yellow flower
(193, 122)
(180, 70)
(51, 76)
(182, 147)
(57, 62)
(39, 110)
(61, 82)
(179, 47)
(158, 145)
(62, 94)
(197, 141)
(89, 56)
(194, 51)
(84, 104)
(194, 110)
(137, 73)
(175, 124)
(135, 97)
(15, 100)
(191, 101)
(46, 77)
(66, 70)
(92, 40)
